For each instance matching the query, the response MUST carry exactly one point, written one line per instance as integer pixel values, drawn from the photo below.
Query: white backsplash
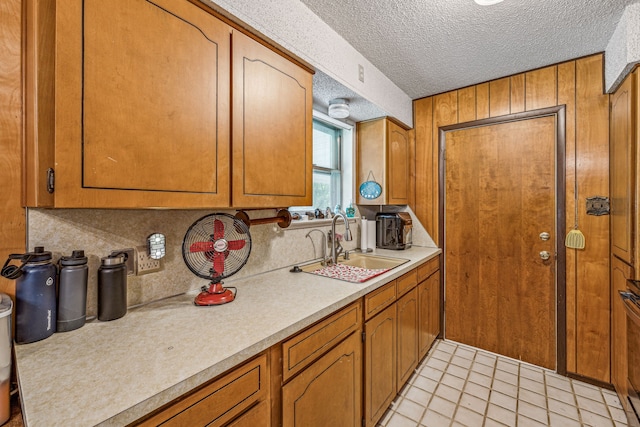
(100, 231)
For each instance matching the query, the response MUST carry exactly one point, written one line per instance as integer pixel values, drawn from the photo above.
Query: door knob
(544, 236)
(545, 255)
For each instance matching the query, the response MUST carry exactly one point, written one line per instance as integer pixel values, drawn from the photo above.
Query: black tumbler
(112, 287)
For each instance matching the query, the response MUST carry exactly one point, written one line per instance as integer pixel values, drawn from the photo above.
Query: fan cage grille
(203, 232)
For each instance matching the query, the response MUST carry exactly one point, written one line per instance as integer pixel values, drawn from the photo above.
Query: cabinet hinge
(364, 336)
(51, 180)
(364, 423)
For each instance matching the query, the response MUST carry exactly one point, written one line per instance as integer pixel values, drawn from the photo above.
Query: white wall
(293, 26)
(623, 50)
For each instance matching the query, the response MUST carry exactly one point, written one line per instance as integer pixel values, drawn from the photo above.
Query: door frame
(559, 112)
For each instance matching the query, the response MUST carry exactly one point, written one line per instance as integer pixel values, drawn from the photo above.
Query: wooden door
(620, 272)
(142, 105)
(328, 392)
(272, 128)
(397, 165)
(622, 162)
(499, 197)
(407, 357)
(379, 364)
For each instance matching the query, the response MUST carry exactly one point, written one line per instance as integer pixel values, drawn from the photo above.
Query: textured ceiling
(432, 46)
(325, 89)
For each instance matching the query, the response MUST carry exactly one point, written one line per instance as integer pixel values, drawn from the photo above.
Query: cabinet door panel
(379, 364)
(328, 392)
(620, 272)
(398, 165)
(621, 151)
(382, 152)
(428, 313)
(407, 357)
(272, 128)
(435, 295)
(146, 120)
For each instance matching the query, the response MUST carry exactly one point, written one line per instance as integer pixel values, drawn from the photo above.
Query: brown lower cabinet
(379, 364)
(344, 370)
(428, 312)
(322, 372)
(398, 336)
(328, 392)
(407, 358)
(620, 272)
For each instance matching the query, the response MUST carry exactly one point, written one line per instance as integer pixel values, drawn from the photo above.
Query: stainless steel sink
(367, 262)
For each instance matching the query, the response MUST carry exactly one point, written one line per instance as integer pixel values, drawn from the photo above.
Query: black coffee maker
(393, 230)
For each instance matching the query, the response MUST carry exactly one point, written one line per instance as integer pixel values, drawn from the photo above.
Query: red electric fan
(215, 247)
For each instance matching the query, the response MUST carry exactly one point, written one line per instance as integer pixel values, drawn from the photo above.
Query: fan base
(206, 298)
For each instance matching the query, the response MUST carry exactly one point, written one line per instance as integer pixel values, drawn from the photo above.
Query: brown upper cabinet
(272, 128)
(383, 155)
(623, 181)
(130, 105)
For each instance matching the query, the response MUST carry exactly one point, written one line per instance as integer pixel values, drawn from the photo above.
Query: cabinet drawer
(406, 282)
(301, 350)
(219, 401)
(258, 416)
(428, 268)
(376, 301)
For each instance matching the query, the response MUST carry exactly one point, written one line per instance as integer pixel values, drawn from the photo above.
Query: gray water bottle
(72, 291)
(112, 287)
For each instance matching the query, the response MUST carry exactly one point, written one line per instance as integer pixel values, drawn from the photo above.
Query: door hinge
(51, 180)
(364, 336)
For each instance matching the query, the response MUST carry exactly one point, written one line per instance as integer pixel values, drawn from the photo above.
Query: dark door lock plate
(598, 205)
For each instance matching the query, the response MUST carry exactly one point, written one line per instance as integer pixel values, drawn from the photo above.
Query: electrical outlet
(145, 263)
(130, 262)
(361, 73)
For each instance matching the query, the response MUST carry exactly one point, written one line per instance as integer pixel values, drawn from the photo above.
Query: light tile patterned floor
(457, 386)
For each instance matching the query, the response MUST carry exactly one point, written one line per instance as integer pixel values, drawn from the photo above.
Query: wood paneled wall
(578, 85)
(12, 215)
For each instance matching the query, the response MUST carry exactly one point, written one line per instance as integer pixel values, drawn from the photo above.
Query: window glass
(325, 143)
(331, 144)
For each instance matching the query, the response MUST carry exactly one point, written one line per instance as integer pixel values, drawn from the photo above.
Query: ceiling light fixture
(338, 108)
(487, 2)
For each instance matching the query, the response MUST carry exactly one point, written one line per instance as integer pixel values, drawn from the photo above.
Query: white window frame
(346, 164)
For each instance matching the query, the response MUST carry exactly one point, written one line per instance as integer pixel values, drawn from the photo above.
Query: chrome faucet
(332, 236)
(324, 245)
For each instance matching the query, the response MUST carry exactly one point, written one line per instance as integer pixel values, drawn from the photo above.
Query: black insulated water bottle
(112, 287)
(72, 291)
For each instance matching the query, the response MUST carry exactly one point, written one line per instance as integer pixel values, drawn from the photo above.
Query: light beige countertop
(112, 373)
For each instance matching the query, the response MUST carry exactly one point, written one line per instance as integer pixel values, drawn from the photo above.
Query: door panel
(499, 197)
